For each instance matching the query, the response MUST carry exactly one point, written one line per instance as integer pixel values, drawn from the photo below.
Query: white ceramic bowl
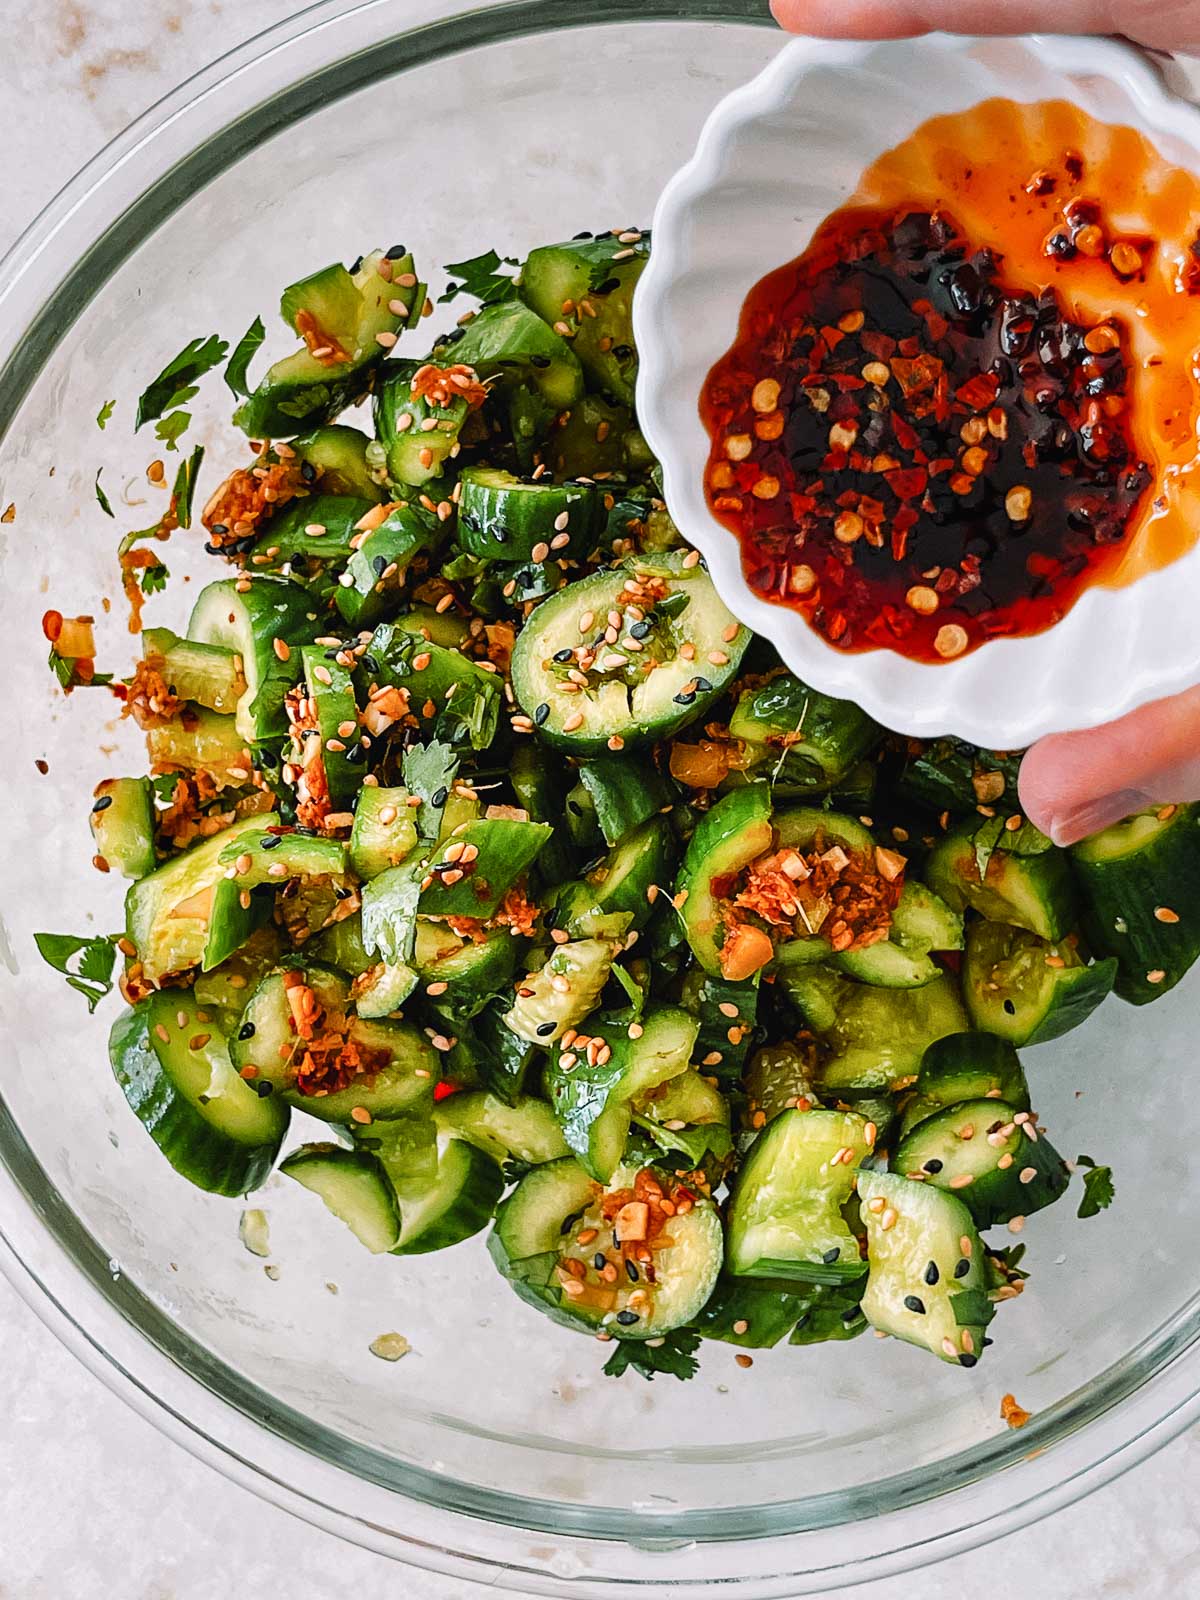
(774, 159)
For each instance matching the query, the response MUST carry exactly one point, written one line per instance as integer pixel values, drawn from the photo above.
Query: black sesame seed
(932, 1274)
(307, 471)
(102, 804)
(639, 630)
(804, 1319)
(358, 263)
(541, 713)
(586, 234)
(568, 1222)
(574, 808)
(545, 1029)
(631, 1271)
(1009, 1008)
(211, 549)
(269, 841)
(627, 1318)
(967, 1360)
(379, 566)
(246, 1031)
(685, 699)
(963, 1267)
(933, 1166)
(370, 663)
(850, 1314)
(563, 656)
(396, 252)
(915, 1303)
(438, 797)
(702, 685)
(599, 1261)
(341, 892)
(831, 1256)
(263, 1088)
(219, 528)
(539, 361)
(987, 1342)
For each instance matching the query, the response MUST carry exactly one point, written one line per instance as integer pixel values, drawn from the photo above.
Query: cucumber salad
(484, 850)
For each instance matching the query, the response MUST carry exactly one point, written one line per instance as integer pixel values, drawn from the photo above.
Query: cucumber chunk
(201, 741)
(811, 738)
(635, 694)
(187, 913)
(354, 1188)
(526, 1130)
(248, 622)
(785, 1218)
(1135, 878)
(287, 542)
(448, 694)
(625, 883)
(341, 316)
(464, 973)
(213, 1128)
(543, 1011)
(349, 1064)
(417, 434)
(338, 456)
(1029, 990)
(967, 1066)
(999, 1167)
(588, 285)
(594, 1093)
(537, 373)
(875, 1037)
(926, 1283)
(122, 823)
(1026, 883)
(626, 791)
(474, 869)
(384, 832)
(558, 1215)
(456, 1205)
(205, 673)
(373, 584)
(727, 838)
(331, 698)
(505, 518)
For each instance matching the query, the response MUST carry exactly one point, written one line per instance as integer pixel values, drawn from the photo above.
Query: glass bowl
(496, 1450)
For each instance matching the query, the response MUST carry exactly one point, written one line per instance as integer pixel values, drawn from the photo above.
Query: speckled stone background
(94, 1505)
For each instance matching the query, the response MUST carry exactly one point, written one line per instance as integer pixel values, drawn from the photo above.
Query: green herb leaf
(62, 668)
(101, 497)
(185, 486)
(1005, 1264)
(91, 974)
(105, 411)
(1098, 1189)
(389, 912)
(171, 429)
(695, 1142)
(429, 770)
(153, 580)
(637, 995)
(243, 354)
(164, 788)
(481, 278)
(972, 1308)
(674, 1356)
(176, 383)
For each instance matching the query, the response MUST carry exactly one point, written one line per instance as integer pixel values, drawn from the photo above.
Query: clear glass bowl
(496, 1449)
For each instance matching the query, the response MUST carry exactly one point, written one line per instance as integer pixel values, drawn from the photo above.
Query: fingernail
(1096, 815)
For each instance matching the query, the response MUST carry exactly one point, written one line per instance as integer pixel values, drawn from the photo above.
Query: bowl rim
(1116, 647)
(130, 1343)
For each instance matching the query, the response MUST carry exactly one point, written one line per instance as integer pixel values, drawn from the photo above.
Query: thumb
(1073, 784)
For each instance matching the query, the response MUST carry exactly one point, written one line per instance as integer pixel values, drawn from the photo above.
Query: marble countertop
(95, 1503)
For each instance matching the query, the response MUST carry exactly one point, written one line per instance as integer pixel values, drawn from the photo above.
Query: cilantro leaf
(243, 354)
(972, 1307)
(429, 770)
(481, 278)
(176, 383)
(675, 1355)
(101, 497)
(164, 788)
(153, 580)
(1098, 1188)
(171, 429)
(104, 413)
(62, 668)
(185, 485)
(389, 912)
(91, 974)
(637, 995)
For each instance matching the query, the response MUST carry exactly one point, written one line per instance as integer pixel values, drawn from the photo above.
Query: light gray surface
(93, 1503)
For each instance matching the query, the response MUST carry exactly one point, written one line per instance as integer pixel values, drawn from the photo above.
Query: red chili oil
(912, 453)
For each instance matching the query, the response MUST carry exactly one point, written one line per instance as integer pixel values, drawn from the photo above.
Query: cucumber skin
(1166, 872)
(999, 1195)
(468, 1213)
(1073, 996)
(175, 1125)
(742, 815)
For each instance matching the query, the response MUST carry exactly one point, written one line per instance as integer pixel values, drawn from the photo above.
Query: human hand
(1072, 784)
(1173, 26)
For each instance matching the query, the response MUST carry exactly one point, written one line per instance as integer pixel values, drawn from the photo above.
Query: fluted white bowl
(774, 159)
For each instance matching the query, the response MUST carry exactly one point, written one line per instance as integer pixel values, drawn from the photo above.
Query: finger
(1173, 26)
(1073, 784)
